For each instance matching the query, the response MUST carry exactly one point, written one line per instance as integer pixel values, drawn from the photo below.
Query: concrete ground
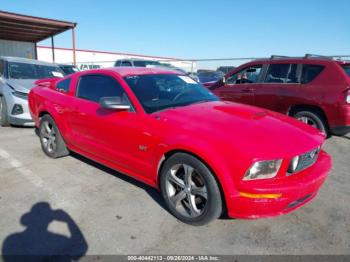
(103, 212)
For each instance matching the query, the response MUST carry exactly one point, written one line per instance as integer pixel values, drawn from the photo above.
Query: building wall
(88, 59)
(17, 49)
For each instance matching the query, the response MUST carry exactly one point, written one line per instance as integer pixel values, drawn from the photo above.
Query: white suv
(17, 77)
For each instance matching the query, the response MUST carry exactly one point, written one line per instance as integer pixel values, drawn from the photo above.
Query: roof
(25, 60)
(30, 28)
(302, 59)
(133, 71)
(138, 59)
(297, 60)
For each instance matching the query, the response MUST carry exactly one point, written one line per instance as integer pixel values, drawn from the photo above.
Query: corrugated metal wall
(18, 49)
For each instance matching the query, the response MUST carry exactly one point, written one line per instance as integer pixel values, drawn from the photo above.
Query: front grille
(306, 160)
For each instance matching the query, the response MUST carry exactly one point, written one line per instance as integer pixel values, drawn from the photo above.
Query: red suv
(313, 89)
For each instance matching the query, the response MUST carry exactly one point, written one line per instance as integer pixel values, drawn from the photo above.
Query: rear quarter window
(63, 85)
(310, 72)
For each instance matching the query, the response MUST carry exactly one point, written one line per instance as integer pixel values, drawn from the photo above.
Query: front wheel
(190, 190)
(51, 140)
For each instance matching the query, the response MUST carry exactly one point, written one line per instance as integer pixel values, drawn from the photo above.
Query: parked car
(147, 63)
(168, 131)
(136, 63)
(312, 89)
(17, 77)
(209, 76)
(225, 69)
(68, 68)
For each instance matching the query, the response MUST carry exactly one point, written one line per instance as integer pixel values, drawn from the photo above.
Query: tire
(3, 112)
(314, 119)
(195, 200)
(51, 140)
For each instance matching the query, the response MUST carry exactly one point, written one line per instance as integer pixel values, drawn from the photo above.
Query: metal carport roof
(29, 28)
(34, 29)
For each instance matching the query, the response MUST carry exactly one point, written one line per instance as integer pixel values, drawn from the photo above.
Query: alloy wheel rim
(48, 137)
(308, 120)
(186, 190)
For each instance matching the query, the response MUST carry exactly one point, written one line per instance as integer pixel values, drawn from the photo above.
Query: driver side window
(94, 87)
(248, 75)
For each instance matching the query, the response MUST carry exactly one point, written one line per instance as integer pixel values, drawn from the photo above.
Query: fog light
(17, 110)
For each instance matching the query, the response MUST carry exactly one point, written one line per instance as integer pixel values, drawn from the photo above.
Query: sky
(200, 28)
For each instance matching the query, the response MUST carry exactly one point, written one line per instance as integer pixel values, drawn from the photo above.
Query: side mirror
(224, 80)
(114, 102)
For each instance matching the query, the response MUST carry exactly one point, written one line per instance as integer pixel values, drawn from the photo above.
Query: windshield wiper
(202, 101)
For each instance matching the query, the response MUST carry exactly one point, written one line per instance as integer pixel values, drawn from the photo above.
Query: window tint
(125, 63)
(347, 69)
(246, 76)
(93, 87)
(281, 73)
(310, 72)
(63, 85)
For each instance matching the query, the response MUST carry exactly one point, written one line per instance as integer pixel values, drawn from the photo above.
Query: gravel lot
(117, 215)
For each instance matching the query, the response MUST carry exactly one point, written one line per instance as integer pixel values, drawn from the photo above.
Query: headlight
(20, 95)
(293, 165)
(263, 169)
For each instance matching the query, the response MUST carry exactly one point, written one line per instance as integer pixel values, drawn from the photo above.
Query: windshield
(161, 91)
(145, 63)
(32, 71)
(347, 69)
(209, 76)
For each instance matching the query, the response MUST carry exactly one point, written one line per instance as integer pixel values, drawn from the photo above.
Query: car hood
(265, 133)
(21, 85)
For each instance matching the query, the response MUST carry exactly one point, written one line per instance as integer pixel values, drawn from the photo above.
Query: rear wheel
(314, 119)
(51, 140)
(3, 112)
(190, 190)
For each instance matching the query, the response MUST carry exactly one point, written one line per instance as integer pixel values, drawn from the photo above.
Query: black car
(68, 69)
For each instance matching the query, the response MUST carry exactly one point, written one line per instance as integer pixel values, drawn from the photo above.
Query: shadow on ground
(37, 243)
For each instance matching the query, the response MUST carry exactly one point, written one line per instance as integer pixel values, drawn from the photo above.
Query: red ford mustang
(206, 156)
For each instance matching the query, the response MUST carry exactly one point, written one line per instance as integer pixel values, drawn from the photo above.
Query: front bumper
(296, 190)
(23, 119)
